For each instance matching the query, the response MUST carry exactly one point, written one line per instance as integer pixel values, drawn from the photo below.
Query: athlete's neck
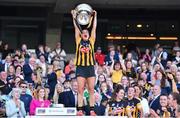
(118, 100)
(130, 97)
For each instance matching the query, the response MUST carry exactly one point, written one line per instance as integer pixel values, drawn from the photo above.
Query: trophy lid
(84, 7)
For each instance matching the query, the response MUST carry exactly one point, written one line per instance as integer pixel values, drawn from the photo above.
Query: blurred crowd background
(129, 81)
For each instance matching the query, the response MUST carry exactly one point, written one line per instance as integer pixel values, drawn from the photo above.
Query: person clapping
(14, 106)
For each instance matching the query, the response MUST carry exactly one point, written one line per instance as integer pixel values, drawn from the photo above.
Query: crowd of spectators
(129, 82)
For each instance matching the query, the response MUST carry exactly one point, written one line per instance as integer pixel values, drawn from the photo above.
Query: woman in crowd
(47, 90)
(130, 72)
(125, 84)
(11, 72)
(117, 69)
(161, 80)
(32, 89)
(154, 68)
(134, 108)
(106, 93)
(101, 70)
(11, 75)
(19, 71)
(101, 78)
(24, 52)
(51, 80)
(156, 80)
(109, 83)
(143, 101)
(173, 102)
(144, 67)
(117, 105)
(163, 111)
(14, 106)
(40, 51)
(42, 67)
(147, 56)
(173, 69)
(17, 81)
(177, 79)
(132, 56)
(57, 93)
(172, 80)
(39, 101)
(37, 81)
(112, 55)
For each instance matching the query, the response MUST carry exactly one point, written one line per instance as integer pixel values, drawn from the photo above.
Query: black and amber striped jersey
(115, 106)
(164, 114)
(85, 52)
(133, 107)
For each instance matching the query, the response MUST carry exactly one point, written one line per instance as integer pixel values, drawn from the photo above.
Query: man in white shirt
(59, 53)
(7, 63)
(176, 60)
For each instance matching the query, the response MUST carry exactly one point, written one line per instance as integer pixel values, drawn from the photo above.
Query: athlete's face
(120, 94)
(85, 35)
(138, 91)
(131, 92)
(163, 101)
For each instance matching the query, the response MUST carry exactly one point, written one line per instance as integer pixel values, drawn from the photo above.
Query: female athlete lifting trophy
(84, 60)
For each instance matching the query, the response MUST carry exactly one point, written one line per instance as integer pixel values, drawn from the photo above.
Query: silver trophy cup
(84, 14)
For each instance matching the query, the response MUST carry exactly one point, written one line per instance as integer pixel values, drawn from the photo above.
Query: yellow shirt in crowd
(116, 76)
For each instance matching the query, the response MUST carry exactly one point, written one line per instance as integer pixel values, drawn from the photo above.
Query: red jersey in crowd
(99, 58)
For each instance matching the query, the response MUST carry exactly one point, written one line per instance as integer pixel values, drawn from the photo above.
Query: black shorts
(85, 71)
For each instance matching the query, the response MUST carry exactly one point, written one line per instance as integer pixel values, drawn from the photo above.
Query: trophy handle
(90, 22)
(79, 27)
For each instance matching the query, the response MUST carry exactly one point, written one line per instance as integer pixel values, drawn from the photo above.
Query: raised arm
(22, 109)
(93, 31)
(112, 65)
(122, 64)
(174, 87)
(77, 31)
